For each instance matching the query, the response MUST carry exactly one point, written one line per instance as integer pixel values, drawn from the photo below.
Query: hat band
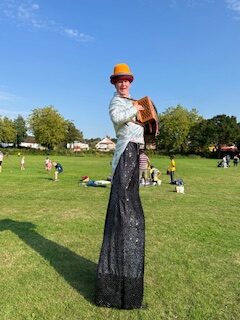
(115, 78)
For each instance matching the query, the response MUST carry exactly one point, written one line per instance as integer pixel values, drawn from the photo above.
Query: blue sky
(62, 52)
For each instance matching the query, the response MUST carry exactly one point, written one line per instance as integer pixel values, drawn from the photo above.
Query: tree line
(47, 125)
(181, 130)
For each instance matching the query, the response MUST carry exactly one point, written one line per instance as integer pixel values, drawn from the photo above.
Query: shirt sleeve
(121, 112)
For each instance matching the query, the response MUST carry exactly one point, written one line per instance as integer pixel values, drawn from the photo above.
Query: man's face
(123, 87)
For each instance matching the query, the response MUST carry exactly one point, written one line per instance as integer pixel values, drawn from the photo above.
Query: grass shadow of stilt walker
(76, 270)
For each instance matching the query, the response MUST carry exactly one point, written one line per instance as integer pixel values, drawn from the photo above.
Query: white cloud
(75, 34)
(27, 13)
(23, 12)
(189, 3)
(233, 5)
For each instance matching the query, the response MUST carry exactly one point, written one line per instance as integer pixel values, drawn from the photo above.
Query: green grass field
(51, 233)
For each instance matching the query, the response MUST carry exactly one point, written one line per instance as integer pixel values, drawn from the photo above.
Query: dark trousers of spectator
(172, 177)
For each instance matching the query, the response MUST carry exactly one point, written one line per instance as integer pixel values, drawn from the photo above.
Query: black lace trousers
(121, 263)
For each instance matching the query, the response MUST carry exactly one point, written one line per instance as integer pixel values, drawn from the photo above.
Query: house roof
(106, 141)
(228, 148)
(29, 139)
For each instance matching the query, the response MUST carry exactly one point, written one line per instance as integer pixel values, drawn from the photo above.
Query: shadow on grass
(46, 178)
(76, 270)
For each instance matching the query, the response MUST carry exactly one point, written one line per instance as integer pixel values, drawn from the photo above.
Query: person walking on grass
(22, 163)
(48, 165)
(58, 169)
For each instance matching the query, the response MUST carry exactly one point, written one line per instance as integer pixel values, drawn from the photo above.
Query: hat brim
(115, 78)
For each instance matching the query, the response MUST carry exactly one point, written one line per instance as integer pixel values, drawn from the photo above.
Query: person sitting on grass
(155, 175)
(58, 169)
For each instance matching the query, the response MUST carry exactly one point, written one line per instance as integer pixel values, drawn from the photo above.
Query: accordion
(148, 117)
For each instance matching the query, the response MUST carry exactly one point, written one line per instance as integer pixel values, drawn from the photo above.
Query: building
(105, 145)
(77, 146)
(31, 143)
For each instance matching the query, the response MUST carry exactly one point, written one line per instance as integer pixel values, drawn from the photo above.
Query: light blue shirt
(122, 113)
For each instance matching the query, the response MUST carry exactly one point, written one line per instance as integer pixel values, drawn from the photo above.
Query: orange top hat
(121, 71)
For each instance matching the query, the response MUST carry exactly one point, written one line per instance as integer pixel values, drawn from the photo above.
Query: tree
(218, 130)
(175, 124)
(226, 129)
(7, 130)
(21, 129)
(72, 133)
(202, 135)
(47, 126)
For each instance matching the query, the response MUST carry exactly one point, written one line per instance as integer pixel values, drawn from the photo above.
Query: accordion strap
(137, 122)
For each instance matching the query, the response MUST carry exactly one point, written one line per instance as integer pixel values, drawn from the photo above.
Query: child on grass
(58, 169)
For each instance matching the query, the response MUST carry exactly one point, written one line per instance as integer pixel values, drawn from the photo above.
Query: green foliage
(175, 124)
(47, 126)
(202, 135)
(218, 130)
(72, 133)
(21, 129)
(92, 142)
(226, 129)
(7, 130)
(185, 131)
